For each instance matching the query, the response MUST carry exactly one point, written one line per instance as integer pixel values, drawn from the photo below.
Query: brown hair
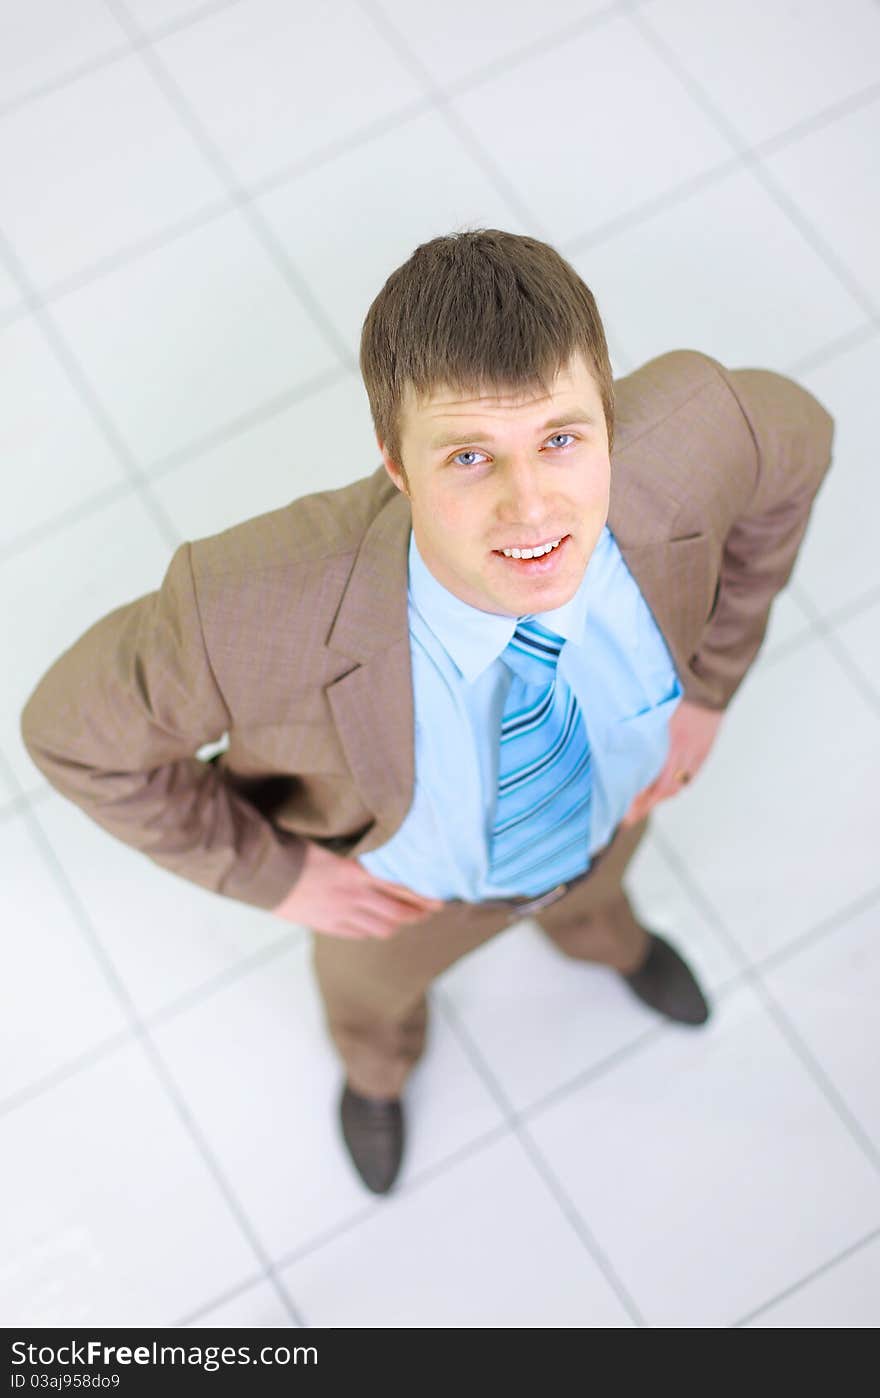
(479, 311)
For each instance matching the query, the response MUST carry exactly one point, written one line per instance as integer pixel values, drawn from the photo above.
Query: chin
(539, 599)
(549, 594)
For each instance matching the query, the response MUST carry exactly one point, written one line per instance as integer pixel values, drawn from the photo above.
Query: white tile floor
(198, 202)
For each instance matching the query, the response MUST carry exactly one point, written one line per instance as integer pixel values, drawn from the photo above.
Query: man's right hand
(338, 895)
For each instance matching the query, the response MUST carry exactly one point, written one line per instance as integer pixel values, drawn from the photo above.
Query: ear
(393, 470)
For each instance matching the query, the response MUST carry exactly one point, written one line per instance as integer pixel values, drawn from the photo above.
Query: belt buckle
(542, 901)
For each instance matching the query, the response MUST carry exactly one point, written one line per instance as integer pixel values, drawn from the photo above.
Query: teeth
(531, 553)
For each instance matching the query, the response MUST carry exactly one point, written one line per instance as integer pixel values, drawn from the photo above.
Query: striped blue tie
(540, 836)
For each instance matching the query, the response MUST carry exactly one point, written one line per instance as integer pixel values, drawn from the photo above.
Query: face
(486, 474)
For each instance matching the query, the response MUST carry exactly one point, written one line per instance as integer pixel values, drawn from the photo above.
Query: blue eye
(471, 452)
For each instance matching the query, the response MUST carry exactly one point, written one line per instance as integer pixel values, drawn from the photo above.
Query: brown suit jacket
(289, 632)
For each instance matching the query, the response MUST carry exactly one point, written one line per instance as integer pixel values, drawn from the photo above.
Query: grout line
(190, 999)
(442, 102)
(512, 1118)
(238, 426)
(108, 58)
(811, 235)
(138, 250)
(242, 423)
(230, 1294)
(413, 1186)
(63, 1072)
(287, 269)
(827, 635)
(753, 159)
(281, 258)
(518, 1125)
(753, 969)
(118, 53)
(840, 345)
(817, 121)
(811, 1276)
(285, 943)
(242, 194)
(631, 1050)
(751, 975)
(86, 508)
(141, 478)
(166, 1079)
(826, 927)
(680, 868)
(471, 1148)
(823, 629)
(814, 1069)
(259, 226)
(205, 11)
(638, 214)
(832, 620)
(807, 1059)
(141, 38)
(543, 44)
(94, 407)
(236, 199)
(336, 149)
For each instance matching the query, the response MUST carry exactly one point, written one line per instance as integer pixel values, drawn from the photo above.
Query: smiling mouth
(545, 563)
(539, 544)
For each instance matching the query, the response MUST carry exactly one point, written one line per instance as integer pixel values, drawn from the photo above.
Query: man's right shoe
(372, 1129)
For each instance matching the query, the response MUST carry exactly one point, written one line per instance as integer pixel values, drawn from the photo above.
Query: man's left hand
(692, 731)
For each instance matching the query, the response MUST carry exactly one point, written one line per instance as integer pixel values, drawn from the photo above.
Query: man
(454, 689)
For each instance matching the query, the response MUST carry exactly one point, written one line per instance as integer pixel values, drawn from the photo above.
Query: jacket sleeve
(114, 724)
(793, 436)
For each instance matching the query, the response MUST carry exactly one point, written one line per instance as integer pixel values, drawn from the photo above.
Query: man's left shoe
(666, 983)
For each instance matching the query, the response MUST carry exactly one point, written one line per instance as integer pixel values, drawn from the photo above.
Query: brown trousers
(373, 988)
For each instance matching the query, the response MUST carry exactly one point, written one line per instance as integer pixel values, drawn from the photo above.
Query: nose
(523, 494)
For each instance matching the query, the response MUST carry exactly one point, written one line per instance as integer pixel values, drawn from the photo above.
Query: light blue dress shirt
(616, 661)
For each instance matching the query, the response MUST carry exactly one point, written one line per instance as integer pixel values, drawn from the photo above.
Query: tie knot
(533, 651)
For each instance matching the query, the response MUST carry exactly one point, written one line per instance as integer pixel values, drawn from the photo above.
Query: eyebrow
(577, 417)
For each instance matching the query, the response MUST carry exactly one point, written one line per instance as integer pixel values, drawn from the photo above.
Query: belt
(521, 907)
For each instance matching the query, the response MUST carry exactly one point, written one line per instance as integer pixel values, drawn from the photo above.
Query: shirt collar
(472, 638)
